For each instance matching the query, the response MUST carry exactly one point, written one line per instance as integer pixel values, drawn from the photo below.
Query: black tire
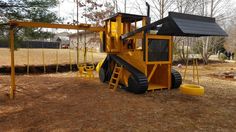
(102, 75)
(135, 87)
(176, 79)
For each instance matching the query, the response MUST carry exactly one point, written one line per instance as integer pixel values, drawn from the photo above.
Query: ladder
(114, 81)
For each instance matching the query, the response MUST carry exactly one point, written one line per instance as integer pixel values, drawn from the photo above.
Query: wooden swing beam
(50, 25)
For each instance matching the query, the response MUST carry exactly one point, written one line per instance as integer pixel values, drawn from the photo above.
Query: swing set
(192, 89)
(13, 24)
(86, 70)
(42, 55)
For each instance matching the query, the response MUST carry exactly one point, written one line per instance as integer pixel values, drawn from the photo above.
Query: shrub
(222, 57)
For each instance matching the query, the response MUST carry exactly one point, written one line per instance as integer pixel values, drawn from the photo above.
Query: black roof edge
(120, 13)
(191, 17)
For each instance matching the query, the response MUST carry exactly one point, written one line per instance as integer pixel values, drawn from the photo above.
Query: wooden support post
(185, 70)
(92, 55)
(169, 77)
(152, 72)
(186, 63)
(85, 54)
(57, 59)
(135, 40)
(78, 53)
(28, 54)
(70, 61)
(78, 49)
(197, 71)
(118, 33)
(43, 57)
(193, 70)
(12, 48)
(78, 67)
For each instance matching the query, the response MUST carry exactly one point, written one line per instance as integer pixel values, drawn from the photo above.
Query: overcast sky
(67, 8)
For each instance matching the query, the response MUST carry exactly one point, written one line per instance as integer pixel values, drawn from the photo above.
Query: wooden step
(112, 84)
(114, 78)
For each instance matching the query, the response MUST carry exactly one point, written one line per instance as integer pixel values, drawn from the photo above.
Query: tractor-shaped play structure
(145, 54)
(138, 59)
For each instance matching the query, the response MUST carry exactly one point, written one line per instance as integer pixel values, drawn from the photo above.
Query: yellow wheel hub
(192, 89)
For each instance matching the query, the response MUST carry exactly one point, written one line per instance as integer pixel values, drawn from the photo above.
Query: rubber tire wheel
(134, 87)
(176, 79)
(102, 75)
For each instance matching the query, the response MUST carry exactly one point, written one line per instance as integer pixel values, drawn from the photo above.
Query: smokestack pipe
(148, 13)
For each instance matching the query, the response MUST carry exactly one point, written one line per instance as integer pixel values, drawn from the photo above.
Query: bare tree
(159, 8)
(230, 44)
(138, 7)
(211, 8)
(95, 12)
(182, 44)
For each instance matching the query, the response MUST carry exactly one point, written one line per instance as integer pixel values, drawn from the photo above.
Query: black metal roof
(178, 24)
(125, 17)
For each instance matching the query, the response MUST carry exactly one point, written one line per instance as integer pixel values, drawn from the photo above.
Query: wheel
(99, 65)
(176, 79)
(192, 89)
(102, 75)
(134, 87)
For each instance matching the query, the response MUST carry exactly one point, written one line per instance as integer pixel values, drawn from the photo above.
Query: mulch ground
(62, 102)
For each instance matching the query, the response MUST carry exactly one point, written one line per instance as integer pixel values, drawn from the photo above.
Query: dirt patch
(225, 75)
(62, 102)
(200, 62)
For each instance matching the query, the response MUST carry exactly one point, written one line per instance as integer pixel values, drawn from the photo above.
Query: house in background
(92, 40)
(59, 40)
(62, 38)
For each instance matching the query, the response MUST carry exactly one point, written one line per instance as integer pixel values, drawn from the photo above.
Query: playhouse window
(158, 50)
